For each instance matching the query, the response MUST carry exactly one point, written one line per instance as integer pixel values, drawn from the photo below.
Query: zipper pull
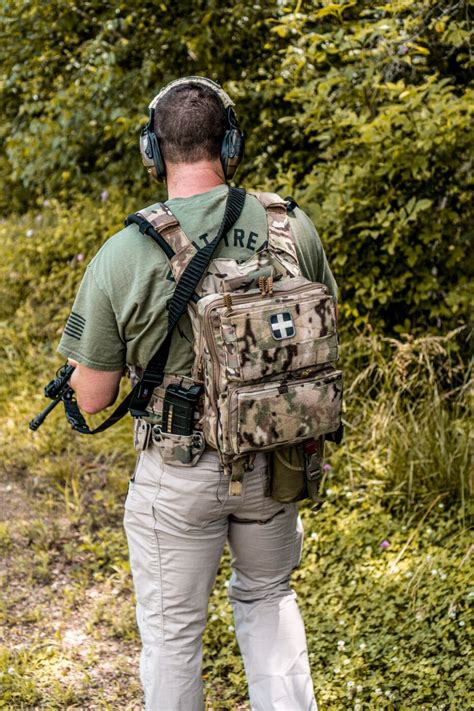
(228, 303)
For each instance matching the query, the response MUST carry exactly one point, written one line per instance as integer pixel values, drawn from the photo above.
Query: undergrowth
(409, 406)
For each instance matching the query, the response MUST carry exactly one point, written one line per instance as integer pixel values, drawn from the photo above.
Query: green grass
(409, 407)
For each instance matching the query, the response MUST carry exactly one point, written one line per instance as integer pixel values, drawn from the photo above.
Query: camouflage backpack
(265, 345)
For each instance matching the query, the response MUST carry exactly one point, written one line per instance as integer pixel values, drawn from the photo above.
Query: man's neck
(186, 179)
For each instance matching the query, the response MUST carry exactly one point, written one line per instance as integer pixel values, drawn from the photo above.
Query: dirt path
(67, 622)
(70, 640)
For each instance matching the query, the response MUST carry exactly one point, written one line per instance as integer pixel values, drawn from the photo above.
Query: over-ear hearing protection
(232, 148)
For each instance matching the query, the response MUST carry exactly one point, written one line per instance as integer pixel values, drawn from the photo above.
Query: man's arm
(95, 389)
(92, 344)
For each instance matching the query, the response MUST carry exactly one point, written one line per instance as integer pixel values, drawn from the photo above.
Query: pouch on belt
(296, 471)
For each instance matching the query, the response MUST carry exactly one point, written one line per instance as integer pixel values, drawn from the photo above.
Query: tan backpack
(265, 344)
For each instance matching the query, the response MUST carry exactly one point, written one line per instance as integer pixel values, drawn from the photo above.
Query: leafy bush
(363, 112)
(380, 117)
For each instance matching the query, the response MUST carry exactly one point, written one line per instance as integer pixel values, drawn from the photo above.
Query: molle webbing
(165, 223)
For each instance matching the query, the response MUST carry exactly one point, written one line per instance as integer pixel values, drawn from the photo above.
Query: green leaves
(391, 126)
(363, 112)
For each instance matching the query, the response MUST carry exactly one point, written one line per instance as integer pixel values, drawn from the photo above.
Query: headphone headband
(232, 148)
(225, 98)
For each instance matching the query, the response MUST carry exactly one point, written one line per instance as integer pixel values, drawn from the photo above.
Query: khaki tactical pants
(177, 522)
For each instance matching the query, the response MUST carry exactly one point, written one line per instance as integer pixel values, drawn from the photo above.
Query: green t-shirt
(119, 315)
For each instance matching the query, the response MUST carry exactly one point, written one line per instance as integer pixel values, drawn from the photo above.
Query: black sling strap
(139, 397)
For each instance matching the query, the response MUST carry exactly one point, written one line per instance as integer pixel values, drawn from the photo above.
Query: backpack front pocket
(298, 331)
(265, 416)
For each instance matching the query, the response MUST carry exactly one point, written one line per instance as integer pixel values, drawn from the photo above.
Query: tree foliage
(361, 110)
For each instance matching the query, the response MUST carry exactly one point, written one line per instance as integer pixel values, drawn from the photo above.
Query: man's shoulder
(298, 216)
(126, 246)
(301, 224)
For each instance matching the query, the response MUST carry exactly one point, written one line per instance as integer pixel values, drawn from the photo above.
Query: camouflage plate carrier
(265, 345)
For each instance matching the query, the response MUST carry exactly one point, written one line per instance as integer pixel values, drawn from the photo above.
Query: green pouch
(296, 475)
(287, 480)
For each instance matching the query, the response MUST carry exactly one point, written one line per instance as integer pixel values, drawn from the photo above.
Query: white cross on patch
(282, 326)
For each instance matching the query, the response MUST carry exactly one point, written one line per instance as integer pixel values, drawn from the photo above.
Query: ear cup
(233, 144)
(150, 151)
(232, 151)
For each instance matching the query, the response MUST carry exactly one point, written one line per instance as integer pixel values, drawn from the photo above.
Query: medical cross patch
(282, 326)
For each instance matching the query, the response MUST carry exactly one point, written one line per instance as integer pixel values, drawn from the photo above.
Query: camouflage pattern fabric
(265, 345)
(179, 450)
(262, 417)
(168, 226)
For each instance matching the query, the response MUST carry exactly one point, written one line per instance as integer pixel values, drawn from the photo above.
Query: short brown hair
(190, 123)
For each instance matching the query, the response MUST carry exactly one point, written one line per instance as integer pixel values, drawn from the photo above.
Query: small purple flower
(104, 195)
(403, 49)
(385, 544)
(80, 257)
(327, 467)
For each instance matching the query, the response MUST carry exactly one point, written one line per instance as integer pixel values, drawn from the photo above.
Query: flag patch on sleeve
(75, 326)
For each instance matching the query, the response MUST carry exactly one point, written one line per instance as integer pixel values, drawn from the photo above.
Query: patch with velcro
(75, 325)
(282, 326)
